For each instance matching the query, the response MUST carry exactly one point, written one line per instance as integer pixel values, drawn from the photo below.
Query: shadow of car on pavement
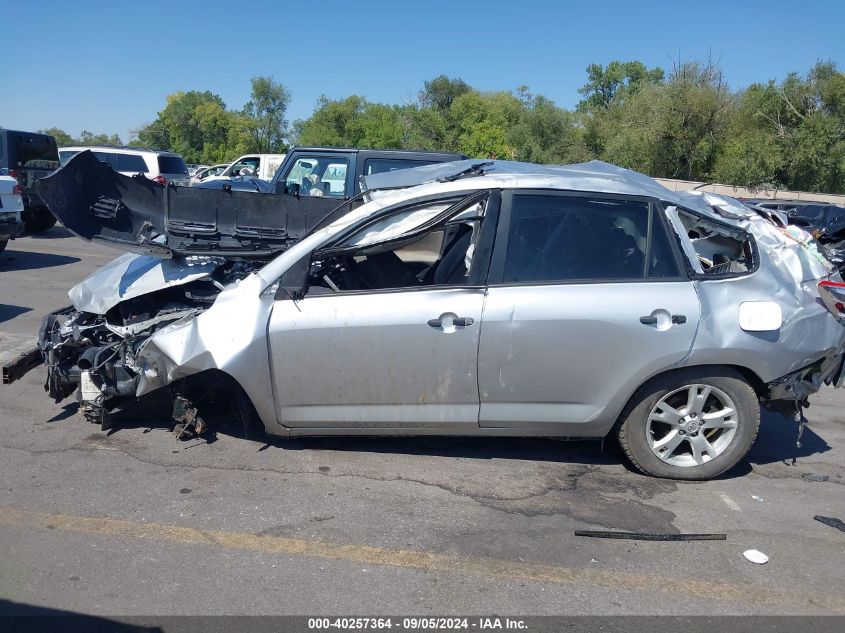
(26, 260)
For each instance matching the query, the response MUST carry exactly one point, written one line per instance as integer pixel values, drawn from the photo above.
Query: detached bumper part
(20, 366)
(799, 385)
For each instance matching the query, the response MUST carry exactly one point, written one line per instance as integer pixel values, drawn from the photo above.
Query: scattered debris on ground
(831, 521)
(639, 536)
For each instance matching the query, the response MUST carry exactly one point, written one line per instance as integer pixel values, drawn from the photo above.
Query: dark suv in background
(29, 156)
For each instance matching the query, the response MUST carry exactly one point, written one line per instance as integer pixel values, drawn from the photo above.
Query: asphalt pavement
(133, 522)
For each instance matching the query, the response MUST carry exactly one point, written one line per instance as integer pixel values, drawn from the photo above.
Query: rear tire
(3, 244)
(37, 219)
(690, 424)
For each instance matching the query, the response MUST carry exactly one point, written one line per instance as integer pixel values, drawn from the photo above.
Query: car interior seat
(385, 270)
(451, 269)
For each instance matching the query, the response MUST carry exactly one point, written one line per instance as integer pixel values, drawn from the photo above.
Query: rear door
(586, 300)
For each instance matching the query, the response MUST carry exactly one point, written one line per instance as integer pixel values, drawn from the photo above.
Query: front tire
(690, 424)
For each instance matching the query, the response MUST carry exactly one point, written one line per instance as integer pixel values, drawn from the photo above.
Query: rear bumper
(10, 226)
(801, 384)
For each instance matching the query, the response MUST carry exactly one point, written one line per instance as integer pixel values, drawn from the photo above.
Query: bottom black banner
(58, 622)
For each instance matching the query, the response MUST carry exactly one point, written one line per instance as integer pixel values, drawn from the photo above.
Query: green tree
(439, 93)
(153, 135)
(790, 134)
(63, 139)
(483, 122)
(89, 138)
(545, 133)
(617, 80)
(267, 108)
(673, 129)
(194, 124)
(352, 122)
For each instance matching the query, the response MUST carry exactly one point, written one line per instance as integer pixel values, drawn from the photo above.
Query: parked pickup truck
(29, 156)
(336, 173)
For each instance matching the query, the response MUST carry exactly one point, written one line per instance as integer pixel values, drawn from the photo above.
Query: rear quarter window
(171, 165)
(131, 162)
(106, 157)
(65, 156)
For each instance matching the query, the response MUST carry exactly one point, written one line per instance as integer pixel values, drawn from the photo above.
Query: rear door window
(568, 238)
(131, 163)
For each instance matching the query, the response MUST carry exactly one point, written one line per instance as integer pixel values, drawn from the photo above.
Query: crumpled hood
(131, 276)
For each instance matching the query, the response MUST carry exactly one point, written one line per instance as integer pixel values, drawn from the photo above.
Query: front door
(392, 359)
(387, 334)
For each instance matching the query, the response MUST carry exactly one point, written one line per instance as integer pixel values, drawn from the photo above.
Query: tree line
(682, 123)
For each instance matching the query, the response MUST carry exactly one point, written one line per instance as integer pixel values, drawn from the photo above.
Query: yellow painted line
(489, 567)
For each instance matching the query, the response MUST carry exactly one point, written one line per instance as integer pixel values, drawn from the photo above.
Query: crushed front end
(92, 348)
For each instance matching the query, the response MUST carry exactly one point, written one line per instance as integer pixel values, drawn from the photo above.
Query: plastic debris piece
(757, 498)
(755, 556)
(831, 521)
(801, 420)
(638, 536)
(814, 477)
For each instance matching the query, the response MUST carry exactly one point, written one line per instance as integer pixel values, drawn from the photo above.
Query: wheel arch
(757, 384)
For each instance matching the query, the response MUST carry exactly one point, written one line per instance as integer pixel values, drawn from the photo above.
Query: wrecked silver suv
(464, 298)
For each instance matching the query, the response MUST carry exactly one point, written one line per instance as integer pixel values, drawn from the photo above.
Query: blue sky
(108, 66)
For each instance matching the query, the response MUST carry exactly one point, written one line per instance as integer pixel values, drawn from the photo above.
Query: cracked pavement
(386, 525)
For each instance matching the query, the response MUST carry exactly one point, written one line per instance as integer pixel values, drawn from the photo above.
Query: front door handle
(458, 321)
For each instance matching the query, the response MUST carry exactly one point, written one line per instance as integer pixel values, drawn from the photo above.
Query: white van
(262, 166)
(163, 167)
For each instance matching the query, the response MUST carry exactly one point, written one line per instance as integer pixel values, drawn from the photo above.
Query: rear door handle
(649, 319)
(458, 321)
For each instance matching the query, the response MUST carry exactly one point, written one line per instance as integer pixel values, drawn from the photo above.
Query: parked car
(160, 166)
(28, 156)
(11, 207)
(193, 168)
(778, 204)
(202, 174)
(261, 166)
(467, 298)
